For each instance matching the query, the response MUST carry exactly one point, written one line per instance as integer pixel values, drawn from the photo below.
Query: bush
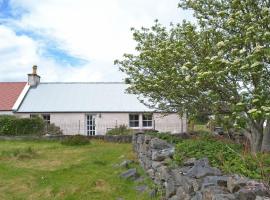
(52, 129)
(121, 130)
(224, 155)
(75, 140)
(12, 125)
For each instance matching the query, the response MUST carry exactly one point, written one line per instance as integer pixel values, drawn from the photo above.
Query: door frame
(90, 124)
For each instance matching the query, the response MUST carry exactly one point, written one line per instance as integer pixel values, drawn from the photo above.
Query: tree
(220, 65)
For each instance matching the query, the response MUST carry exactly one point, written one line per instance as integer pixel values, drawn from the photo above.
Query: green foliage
(11, 125)
(75, 140)
(225, 156)
(120, 130)
(220, 65)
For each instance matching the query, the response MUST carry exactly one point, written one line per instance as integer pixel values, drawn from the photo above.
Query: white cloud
(96, 30)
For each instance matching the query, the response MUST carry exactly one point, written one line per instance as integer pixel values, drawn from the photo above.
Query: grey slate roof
(81, 97)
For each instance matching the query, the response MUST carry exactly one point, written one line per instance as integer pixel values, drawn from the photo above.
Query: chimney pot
(33, 79)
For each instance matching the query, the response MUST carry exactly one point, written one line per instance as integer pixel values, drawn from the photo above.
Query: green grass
(49, 170)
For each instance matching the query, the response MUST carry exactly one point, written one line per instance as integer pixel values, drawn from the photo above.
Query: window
(133, 120)
(33, 116)
(147, 120)
(47, 118)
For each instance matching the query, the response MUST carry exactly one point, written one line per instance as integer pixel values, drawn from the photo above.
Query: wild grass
(55, 171)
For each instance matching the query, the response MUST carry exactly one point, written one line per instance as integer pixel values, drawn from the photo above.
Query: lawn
(50, 170)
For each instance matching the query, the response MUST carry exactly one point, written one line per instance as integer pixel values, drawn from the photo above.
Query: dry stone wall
(196, 179)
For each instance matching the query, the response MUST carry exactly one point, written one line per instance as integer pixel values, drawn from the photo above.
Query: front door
(90, 125)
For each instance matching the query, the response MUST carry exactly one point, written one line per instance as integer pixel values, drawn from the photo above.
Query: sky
(74, 40)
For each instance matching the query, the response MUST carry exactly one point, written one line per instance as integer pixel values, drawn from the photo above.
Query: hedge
(12, 125)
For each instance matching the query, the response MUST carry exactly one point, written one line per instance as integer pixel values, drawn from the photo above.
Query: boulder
(160, 155)
(236, 182)
(126, 163)
(214, 181)
(216, 193)
(252, 189)
(130, 174)
(159, 144)
(141, 188)
(200, 171)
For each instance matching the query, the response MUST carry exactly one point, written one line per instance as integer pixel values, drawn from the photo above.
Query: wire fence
(99, 128)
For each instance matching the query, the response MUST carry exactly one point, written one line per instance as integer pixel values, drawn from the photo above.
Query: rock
(126, 163)
(182, 194)
(200, 171)
(236, 182)
(130, 174)
(262, 198)
(214, 181)
(252, 189)
(141, 188)
(159, 144)
(174, 198)
(160, 155)
(190, 162)
(156, 164)
(153, 193)
(170, 188)
(198, 196)
(216, 193)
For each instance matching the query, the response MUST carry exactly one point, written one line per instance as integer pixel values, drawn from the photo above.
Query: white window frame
(46, 118)
(147, 121)
(134, 120)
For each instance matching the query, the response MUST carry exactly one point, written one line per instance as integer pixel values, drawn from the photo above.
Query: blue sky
(74, 40)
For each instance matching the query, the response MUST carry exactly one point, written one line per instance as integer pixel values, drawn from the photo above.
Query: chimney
(33, 79)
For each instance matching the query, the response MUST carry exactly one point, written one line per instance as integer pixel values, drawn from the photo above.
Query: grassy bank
(49, 170)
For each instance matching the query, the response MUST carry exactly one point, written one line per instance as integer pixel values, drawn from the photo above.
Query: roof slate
(9, 93)
(81, 97)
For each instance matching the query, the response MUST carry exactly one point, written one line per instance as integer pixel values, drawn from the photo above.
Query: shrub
(120, 130)
(224, 155)
(12, 125)
(75, 140)
(52, 129)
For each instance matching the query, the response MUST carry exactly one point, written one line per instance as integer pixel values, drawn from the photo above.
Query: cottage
(91, 108)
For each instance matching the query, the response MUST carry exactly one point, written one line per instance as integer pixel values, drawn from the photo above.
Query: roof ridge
(13, 82)
(82, 83)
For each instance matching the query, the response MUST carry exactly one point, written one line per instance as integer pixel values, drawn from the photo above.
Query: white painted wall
(75, 123)
(6, 113)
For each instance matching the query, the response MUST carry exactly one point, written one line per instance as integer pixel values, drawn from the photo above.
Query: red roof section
(9, 93)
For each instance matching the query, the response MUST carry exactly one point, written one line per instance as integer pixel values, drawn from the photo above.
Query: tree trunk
(266, 138)
(256, 136)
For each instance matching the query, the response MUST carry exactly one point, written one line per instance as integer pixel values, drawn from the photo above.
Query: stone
(253, 189)
(160, 155)
(130, 174)
(175, 197)
(215, 181)
(126, 163)
(236, 182)
(190, 162)
(159, 144)
(170, 188)
(141, 188)
(197, 196)
(262, 198)
(182, 194)
(156, 164)
(216, 193)
(198, 171)
(153, 193)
